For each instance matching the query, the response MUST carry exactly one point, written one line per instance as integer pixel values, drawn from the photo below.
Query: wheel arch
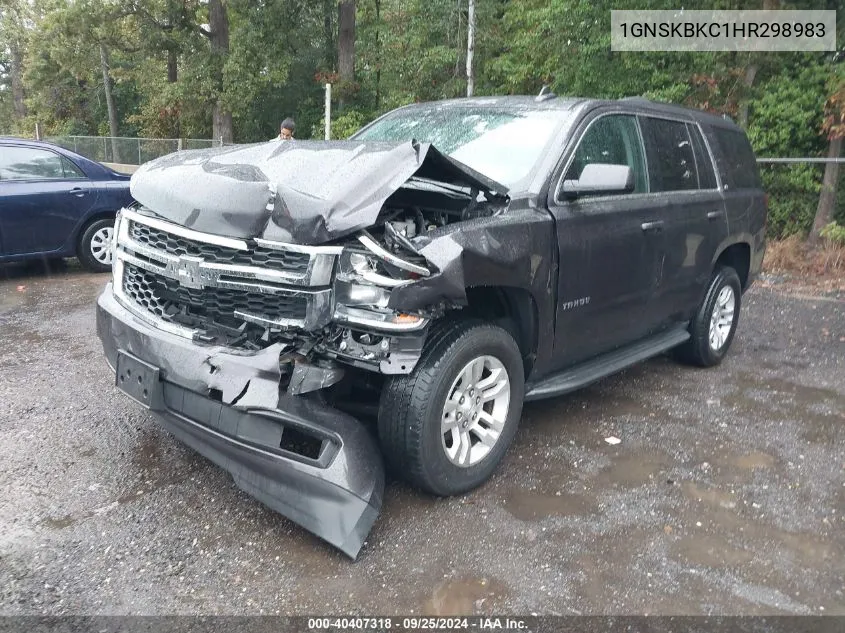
(88, 221)
(737, 255)
(512, 308)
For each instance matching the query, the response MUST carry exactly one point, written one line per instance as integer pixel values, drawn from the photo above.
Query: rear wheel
(713, 327)
(446, 426)
(94, 250)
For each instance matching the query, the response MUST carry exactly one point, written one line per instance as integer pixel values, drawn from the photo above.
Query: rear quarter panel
(745, 203)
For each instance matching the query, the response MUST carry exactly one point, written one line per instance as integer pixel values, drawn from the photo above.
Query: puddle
(18, 338)
(808, 550)
(58, 523)
(825, 432)
(527, 505)
(633, 470)
(782, 397)
(464, 596)
(147, 456)
(11, 298)
(710, 551)
(752, 461)
(153, 473)
(710, 496)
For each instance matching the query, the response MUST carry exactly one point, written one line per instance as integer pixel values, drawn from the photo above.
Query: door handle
(77, 191)
(713, 215)
(652, 227)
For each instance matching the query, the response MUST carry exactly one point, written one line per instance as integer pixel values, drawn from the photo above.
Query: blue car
(55, 203)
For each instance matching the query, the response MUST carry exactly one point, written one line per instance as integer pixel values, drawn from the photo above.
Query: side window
(738, 162)
(26, 163)
(613, 140)
(671, 161)
(706, 175)
(70, 169)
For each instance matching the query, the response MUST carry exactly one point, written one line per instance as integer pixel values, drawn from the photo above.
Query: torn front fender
(303, 192)
(317, 466)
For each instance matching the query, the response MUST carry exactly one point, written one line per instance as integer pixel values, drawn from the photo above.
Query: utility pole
(470, 46)
(328, 114)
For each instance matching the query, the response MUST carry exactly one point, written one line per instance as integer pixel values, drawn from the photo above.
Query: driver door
(610, 248)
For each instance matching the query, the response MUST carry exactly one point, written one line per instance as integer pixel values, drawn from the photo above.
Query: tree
(13, 13)
(470, 46)
(112, 111)
(218, 35)
(834, 125)
(346, 40)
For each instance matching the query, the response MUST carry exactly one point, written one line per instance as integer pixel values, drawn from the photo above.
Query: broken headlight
(362, 288)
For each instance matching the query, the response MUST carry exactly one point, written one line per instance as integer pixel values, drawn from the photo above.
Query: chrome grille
(178, 245)
(166, 298)
(200, 285)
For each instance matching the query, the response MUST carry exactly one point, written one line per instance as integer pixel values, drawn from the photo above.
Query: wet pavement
(726, 494)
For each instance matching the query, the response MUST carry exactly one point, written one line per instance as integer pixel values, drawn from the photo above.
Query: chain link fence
(128, 150)
(793, 184)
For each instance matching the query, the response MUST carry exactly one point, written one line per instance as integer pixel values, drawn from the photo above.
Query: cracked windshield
(501, 144)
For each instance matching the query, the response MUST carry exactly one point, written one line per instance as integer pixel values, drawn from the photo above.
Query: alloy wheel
(722, 318)
(475, 411)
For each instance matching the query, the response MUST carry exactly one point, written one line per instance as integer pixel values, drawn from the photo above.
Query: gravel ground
(726, 494)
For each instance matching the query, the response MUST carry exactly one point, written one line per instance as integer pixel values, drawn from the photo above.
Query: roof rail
(545, 94)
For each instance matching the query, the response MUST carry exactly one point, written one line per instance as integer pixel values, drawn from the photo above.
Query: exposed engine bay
(323, 304)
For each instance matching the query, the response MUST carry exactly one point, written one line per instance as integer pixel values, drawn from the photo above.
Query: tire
(706, 347)
(94, 248)
(412, 408)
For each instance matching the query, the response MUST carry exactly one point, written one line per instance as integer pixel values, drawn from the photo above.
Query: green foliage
(785, 120)
(343, 125)
(834, 233)
(166, 78)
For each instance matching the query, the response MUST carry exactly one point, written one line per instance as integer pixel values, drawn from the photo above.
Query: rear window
(671, 160)
(28, 163)
(706, 175)
(739, 165)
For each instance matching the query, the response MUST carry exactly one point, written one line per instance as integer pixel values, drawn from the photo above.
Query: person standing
(286, 130)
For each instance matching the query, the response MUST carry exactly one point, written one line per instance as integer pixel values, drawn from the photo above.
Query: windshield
(502, 144)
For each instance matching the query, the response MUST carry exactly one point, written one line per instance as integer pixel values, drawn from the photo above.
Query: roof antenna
(545, 94)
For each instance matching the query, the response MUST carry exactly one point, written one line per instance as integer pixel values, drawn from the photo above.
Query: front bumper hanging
(311, 463)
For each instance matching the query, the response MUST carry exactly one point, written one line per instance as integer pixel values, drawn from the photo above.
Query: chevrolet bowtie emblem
(188, 271)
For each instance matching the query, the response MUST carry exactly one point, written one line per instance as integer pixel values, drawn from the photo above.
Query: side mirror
(600, 178)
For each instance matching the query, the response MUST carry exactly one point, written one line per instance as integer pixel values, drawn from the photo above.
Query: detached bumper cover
(334, 490)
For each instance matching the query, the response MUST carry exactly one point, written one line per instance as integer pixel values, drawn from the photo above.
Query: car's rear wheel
(714, 325)
(446, 426)
(95, 246)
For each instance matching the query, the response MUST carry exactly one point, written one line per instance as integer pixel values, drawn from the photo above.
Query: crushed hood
(304, 192)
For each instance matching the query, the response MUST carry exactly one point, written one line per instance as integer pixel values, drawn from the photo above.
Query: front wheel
(446, 426)
(713, 327)
(95, 246)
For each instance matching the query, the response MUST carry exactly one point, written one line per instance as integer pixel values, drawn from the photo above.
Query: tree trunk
(221, 124)
(470, 47)
(113, 125)
(328, 34)
(378, 54)
(172, 67)
(345, 45)
(748, 81)
(827, 199)
(346, 40)
(218, 22)
(172, 78)
(16, 72)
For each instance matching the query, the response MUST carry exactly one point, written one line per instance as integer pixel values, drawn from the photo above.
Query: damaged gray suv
(301, 312)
